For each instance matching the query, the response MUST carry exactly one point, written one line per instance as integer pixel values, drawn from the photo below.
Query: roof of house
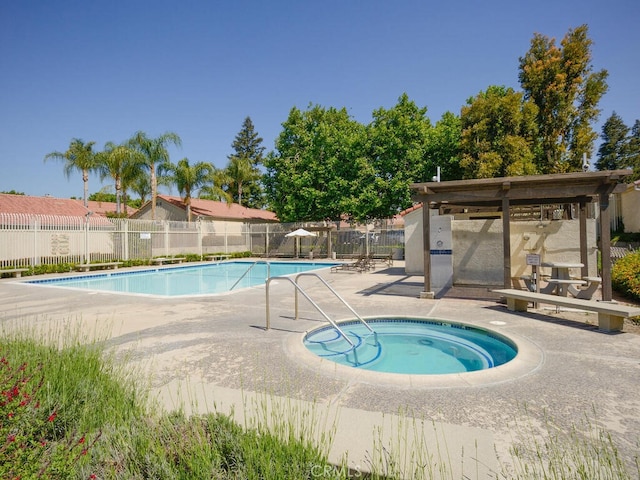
(412, 208)
(212, 208)
(102, 208)
(29, 205)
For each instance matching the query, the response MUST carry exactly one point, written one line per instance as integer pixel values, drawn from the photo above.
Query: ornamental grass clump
(57, 391)
(625, 276)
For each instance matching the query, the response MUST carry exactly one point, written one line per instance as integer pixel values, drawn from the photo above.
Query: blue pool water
(412, 346)
(184, 280)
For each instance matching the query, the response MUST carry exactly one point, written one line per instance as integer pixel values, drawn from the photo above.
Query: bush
(625, 276)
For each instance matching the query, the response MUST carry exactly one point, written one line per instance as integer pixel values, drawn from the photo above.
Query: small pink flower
(11, 438)
(52, 417)
(11, 414)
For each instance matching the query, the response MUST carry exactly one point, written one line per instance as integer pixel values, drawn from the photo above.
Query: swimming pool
(200, 279)
(412, 346)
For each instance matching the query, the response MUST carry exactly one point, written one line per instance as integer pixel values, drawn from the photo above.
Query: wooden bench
(85, 267)
(14, 272)
(218, 257)
(162, 260)
(610, 315)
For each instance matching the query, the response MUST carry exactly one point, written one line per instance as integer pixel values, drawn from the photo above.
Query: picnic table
(561, 279)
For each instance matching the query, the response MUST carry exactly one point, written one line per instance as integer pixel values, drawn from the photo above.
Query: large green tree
(244, 167)
(498, 134)
(318, 167)
(560, 80)
(633, 152)
(613, 149)
(78, 157)
(155, 153)
(398, 144)
(189, 178)
(443, 148)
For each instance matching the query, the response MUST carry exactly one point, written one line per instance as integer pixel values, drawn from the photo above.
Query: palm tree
(141, 186)
(214, 188)
(80, 157)
(240, 171)
(122, 164)
(188, 178)
(155, 153)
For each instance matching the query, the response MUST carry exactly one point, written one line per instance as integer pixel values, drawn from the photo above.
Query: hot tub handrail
(317, 307)
(247, 271)
(344, 302)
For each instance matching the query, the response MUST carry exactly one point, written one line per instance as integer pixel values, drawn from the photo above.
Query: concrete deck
(213, 353)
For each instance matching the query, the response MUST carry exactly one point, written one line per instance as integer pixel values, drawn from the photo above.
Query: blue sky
(101, 70)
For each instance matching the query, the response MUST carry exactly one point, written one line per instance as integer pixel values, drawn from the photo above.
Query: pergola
(566, 188)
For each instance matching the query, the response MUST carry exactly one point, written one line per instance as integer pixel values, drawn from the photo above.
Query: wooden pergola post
(506, 242)
(584, 254)
(605, 246)
(426, 244)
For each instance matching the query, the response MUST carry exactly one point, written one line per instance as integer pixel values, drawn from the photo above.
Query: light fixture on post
(436, 177)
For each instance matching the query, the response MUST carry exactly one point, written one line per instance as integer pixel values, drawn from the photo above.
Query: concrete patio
(213, 353)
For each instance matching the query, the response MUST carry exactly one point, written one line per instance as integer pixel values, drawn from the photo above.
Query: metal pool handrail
(311, 274)
(249, 269)
(317, 307)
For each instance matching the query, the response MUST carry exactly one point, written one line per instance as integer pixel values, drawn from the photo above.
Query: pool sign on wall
(533, 259)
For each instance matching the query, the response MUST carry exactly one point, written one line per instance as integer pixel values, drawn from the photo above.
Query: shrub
(51, 268)
(625, 276)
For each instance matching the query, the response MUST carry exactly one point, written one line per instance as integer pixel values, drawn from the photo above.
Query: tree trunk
(154, 191)
(85, 179)
(118, 195)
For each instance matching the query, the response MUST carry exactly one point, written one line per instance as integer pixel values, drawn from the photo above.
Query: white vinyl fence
(31, 240)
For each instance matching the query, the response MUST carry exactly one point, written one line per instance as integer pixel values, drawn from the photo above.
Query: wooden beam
(426, 242)
(584, 254)
(605, 247)
(506, 242)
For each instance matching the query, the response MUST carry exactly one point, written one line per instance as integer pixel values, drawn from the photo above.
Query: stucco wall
(477, 247)
(631, 209)
(477, 252)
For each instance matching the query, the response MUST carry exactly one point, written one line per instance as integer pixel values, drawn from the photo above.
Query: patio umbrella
(299, 233)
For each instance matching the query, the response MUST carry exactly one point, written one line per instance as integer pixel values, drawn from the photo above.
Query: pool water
(203, 279)
(412, 346)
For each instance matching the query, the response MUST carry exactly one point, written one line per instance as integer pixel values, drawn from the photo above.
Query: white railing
(31, 240)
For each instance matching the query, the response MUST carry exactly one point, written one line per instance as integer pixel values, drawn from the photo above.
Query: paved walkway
(213, 353)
